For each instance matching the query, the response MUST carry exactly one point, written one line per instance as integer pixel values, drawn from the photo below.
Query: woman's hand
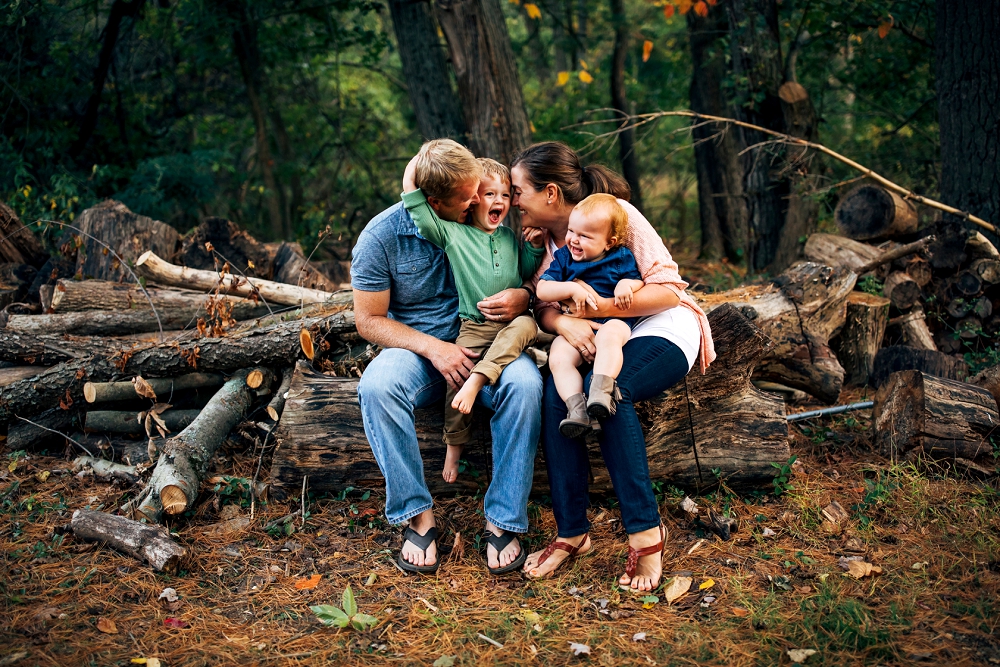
(504, 306)
(409, 175)
(578, 333)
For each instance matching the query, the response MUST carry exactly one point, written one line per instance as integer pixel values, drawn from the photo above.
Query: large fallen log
(149, 543)
(798, 310)
(17, 244)
(113, 322)
(46, 349)
(112, 225)
(920, 414)
(14, 373)
(871, 212)
(159, 270)
(716, 423)
(41, 430)
(897, 358)
(275, 345)
(836, 250)
(184, 459)
(80, 295)
(861, 336)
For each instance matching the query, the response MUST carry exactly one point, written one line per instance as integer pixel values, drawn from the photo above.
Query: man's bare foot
(505, 557)
(537, 571)
(414, 554)
(649, 568)
(451, 460)
(466, 396)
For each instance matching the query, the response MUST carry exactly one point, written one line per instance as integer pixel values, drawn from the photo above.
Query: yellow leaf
(684, 6)
(708, 583)
(585, 76)
(668, 11)
(583, 64)
(42, 475)
(647, 49)
(700, 8)
(531, 126)
(562, 78)
(533, 11)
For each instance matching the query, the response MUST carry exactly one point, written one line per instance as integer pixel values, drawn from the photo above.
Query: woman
(548, 181)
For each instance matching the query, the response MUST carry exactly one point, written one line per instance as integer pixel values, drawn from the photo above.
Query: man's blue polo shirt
(391, 255)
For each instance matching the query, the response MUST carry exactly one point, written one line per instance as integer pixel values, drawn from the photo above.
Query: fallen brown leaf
(107, 626)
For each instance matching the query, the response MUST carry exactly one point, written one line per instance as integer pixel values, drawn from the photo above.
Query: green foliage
(878, 495)
(871, 285)
(781, 478)
(345, 615)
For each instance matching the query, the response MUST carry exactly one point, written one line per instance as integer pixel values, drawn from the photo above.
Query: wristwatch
(531, 297)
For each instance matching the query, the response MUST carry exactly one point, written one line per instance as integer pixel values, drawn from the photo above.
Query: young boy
(474, 248)
(592, 254)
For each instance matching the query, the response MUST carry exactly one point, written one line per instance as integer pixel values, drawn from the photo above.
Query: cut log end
(306, 341)
(173, 500)
(871, 212)
(272, 413)
(89, 392)
(144, 257)
(254, 379)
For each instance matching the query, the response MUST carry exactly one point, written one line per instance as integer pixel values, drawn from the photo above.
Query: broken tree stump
(717, 421)
(897, 358)
(913, 325)
(112, 225)
(184, 459)
(148, 543)
(798, 310)
(229, 244)
(871, 212)
(861, 336)
(920, 414)
(291, 266)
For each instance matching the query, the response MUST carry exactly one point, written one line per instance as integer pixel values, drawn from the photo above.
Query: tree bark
(149, 543)
(17, 244)
(428, 82)
(834, 250)
(125, 422)
(870, 212)
(619, 102)
(967, 78)
(919, 414)
(488, 84)
(164, 388)
(718, 422)
(722, 208)
(15, 373)
(184, 459)
(70, 296)
(861, 336)
(112, 225)
(244, 253)
(902, 290)
(165, 273)
(897, 358)
(118, 323)
(43, 430)
(291, 266)
(914, 328)
(273, 345)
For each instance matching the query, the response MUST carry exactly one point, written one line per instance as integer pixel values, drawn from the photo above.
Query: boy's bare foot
(466, 396)
(556, 557)
(451, 459)
(649, 567)
(410, 552)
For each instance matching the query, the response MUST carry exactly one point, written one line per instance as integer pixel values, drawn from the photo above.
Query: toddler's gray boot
(577, 422)
(604, 396)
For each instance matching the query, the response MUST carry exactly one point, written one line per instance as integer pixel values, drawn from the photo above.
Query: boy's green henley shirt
(483, 264)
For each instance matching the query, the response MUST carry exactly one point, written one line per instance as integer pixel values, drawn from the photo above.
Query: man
(405, 301)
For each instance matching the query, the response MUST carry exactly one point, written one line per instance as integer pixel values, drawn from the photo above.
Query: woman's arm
(552, 290)
(579, 333)
(650, 300)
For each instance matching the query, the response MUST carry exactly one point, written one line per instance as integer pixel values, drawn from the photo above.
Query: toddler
(485, 259)
(593, 254)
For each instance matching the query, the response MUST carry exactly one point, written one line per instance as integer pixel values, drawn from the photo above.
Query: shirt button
(494, 252)
(496, 265)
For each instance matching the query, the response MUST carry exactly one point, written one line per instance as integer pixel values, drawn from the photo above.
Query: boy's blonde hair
(493, 168)
(607, 206)
(442, 165)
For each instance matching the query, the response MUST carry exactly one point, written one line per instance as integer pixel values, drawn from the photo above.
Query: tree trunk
(43, 430)
(967, 76)
(244, 253)
(290, 266)
(165, 273)
(425, 68)
(163, 388)
(112, 225)
(184, 459)
(488, 83)
(15, 373)
(897, 358)
(919, 414)
(124, 422)
(861, 336)
(722, 207)
(17, 244)
(619, 102)
(149, 543)
(800, 317)
(870, 212)
(718, 421)
(46, 350)
(273, 345)
(834, 250)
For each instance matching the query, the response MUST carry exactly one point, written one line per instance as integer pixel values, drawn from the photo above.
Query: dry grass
(240, 604)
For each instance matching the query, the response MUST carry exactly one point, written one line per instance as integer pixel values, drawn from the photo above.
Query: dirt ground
(778, 584)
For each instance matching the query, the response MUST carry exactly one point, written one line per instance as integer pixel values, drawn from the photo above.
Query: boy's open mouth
(495, 213)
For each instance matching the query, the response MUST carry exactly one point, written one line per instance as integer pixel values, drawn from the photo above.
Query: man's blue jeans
(398, 381)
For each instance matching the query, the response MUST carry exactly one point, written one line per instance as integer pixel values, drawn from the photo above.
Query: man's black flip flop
(421, 542)
(500, 542)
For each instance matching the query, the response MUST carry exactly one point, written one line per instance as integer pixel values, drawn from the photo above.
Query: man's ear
(435, 203)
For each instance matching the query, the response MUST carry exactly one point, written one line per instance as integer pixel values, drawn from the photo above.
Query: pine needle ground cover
(908, 572)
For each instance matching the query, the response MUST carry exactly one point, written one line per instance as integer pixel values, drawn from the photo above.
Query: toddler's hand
(583, 298)
(623, 295)
(533, 235)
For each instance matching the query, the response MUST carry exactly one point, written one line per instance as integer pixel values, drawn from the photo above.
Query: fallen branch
(149, 543)
(896, 253)
(107, 469)
(107, 392)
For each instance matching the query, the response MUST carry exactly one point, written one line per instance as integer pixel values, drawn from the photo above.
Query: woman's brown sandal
(556, 545)
(632, 562)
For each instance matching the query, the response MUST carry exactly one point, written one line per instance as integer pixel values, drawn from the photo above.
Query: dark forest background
(294, 117)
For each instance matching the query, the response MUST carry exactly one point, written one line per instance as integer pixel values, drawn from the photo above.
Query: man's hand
(623, 295)
(504, 306)
(452, 361)
(534, 235)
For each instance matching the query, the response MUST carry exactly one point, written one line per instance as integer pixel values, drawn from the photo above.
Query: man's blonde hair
(493, 168)
(442, 165)
(607, 206)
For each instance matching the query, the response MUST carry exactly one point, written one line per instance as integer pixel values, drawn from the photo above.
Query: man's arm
(371, 310)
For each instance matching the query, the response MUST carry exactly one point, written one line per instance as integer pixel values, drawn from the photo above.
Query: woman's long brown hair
(555, 162)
